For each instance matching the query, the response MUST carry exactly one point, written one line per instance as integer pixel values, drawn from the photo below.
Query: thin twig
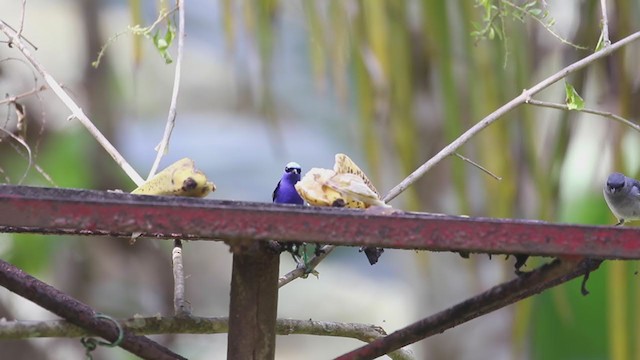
(112, 39)
(12, 99)
(311, 265)
(488, 120)
(609, 115)
(547, 26)
(179, 305)
(135, 30)
(148, 29)
(478, 166)
(497, 297)
(71, 105)
(24, 10)
(26, 146)
(35, 165)
(10, 42)
(171, 120)
(15, 330)
(605, 24)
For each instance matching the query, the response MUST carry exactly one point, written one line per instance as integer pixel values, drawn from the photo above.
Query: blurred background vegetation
(389, 83)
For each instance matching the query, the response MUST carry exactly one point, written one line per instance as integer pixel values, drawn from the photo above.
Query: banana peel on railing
(344, 186)
(178, 179)
(181, 178)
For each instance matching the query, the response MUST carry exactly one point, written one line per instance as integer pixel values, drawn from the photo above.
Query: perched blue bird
(285, 192)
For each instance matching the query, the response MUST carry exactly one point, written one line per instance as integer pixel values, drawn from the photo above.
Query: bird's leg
(620, 222)
(305, 262)
(305, 257)
(296, 258)
(319, 250)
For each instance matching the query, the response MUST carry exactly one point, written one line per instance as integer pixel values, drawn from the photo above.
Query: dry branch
(180, 306)
(63, 305)
(76, 111)
(517, 101)
(605, 114)
(156, 325)
(171, 120)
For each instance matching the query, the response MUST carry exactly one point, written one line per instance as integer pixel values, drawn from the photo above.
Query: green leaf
(535, 12)
(162, 43)
(573, 100)
(170, 34)
(600, 44)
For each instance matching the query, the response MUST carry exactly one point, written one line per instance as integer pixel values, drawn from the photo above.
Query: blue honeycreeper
(286, 193)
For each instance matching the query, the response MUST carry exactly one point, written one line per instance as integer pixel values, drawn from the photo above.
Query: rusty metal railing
(242, 225)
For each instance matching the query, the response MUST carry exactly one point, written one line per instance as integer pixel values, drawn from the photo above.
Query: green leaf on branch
(162, 43)
(573, 100)
(600, 44)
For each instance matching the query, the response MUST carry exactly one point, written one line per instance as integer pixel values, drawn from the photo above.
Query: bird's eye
(292, 170)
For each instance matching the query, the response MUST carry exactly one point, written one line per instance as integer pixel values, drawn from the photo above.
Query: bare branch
(24, 10)
(10, 43)
(14, 330)
(463, 158)
(80, 314)
(135, 30)
(148, 29)
(605, 24)
(609, 115)
(311, 265)
(171, 120)
(26, 146)
(12, 99)
(547, 26)
(179, 305)
(489, 119)
(35, 165)
(71, 105)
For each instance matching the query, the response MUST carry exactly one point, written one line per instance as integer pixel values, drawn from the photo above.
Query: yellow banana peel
(179, 179)
(344, 186)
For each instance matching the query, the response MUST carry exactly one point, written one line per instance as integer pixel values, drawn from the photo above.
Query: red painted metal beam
(29, 209)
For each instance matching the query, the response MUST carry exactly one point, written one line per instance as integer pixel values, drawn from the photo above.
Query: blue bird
(285, 192)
